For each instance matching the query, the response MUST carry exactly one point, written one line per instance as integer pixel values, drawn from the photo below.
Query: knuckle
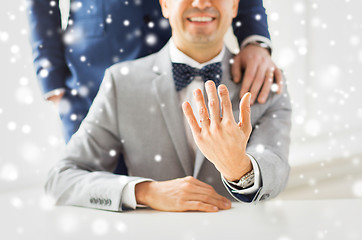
(188, 178)
(202, 111)
(212, 103)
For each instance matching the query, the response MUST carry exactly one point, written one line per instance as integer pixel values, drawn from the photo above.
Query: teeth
(201, 19)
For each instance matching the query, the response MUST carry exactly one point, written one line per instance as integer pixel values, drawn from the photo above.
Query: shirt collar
(179, 57)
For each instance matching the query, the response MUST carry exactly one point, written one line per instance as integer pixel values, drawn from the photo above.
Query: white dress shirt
(128, 199)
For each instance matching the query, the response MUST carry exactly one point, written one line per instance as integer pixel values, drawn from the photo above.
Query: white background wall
(318, 44)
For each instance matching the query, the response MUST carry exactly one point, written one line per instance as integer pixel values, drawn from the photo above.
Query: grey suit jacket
(137, 113)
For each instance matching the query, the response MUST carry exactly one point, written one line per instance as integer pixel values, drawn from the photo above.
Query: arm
(225, 142)
(253, 60)
(250, 21)
(84, 176)
(47, 44)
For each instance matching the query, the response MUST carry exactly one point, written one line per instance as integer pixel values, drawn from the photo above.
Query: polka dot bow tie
(184, 74)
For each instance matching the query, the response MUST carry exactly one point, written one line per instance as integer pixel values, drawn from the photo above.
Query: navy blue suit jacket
(99, 34)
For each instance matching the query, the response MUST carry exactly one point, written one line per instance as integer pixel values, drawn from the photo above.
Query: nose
(201, 4)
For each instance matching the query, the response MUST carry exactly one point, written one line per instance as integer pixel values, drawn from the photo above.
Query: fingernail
(215, 208)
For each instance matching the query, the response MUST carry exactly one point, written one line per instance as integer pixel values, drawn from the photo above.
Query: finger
(206, 194)
(199, 206)
(244, 117)
(236, 69)
(227, 111)
(268, 81)
(191, 119)
(279, 80)
(220, 203)
(249, 75)
(213, 101)
(201, 107)
(258, 82)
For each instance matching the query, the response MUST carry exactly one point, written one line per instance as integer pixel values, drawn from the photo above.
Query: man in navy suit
(70, 64)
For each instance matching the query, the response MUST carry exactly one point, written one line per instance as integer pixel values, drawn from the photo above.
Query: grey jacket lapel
(171, 108)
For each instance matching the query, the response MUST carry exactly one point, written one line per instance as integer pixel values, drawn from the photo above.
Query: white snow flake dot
(260, 148)
(44, 73)
(158, 158)
(274, 16)
(47, 202)
(238, 24)
(74, 92)
(67, 223)
(9, 172)
(299, 7)
(151, 39)
(122, 141)
(83, 58)
(121, 226)
(16, 202)
(112, 153)
(52, 3)
(75, 6)
(14, 49)
(312, 127)
(26, 129)
(357, 188)
(11, 126)
(4, 36)
(124, 70)
(100, 227)
(257, 17)
(73, 117)
(274, 87)
(151, 24)
(109, 20)
(24, 95)
(23, 81)
(126, 22)
(164, 23)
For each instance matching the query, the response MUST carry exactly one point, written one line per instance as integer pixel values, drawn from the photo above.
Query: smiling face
(199, 22)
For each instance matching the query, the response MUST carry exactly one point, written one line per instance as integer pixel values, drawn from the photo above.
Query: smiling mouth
(201, 19)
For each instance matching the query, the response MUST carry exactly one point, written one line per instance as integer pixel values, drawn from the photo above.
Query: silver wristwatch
(246, 181)
(260, 44)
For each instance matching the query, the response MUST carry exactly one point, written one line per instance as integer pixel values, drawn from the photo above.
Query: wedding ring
(204, 119)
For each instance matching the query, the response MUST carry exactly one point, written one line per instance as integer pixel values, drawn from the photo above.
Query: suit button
(264, 197)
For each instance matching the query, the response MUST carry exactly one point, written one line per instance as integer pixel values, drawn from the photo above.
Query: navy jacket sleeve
(48, 48)
(251, 20)
(47, 44)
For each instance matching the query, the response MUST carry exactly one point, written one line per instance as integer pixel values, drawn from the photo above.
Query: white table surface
(27, 215)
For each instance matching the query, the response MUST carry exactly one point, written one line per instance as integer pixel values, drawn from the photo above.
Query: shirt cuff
(252, 189)
(129, 196)
(254, 38)
(53, 93)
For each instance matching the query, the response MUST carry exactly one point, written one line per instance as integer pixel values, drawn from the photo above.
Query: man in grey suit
(175, 161)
